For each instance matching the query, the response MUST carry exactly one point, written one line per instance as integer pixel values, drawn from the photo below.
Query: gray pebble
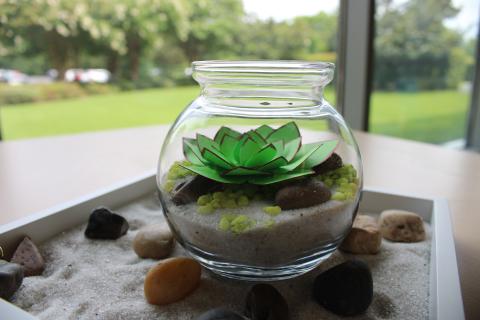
(11, 277)
(401, 226)
(364, 237)
(154, 241)
(28, 256)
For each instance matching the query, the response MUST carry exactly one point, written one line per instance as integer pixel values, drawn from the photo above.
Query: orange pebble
(172, 280)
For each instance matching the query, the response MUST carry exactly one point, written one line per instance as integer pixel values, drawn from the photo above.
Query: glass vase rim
(264, 66)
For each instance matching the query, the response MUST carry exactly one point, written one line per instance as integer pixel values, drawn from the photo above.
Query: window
(119, 64)
(423, 66)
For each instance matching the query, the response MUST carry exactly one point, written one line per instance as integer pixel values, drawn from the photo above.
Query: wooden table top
(39, 173)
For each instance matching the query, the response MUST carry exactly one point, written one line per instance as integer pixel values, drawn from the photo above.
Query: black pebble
(332, 163)
(264, 302)
(11, 278)
(220, 314)
(104, 224)
(193, 187)
(346, 289)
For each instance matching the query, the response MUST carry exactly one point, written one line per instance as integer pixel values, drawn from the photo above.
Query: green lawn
(431, 116)
(118, 110)
(427, 116)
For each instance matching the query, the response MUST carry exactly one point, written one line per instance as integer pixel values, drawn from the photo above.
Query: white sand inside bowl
(293, 233)
(103, 279)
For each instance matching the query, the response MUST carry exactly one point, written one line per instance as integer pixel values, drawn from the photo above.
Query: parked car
(13, 77)
(87, 75)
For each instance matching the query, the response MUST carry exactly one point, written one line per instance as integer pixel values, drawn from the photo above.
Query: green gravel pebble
(219, 195)
(342, 181)
(205, 199)
(206, 209)
(242, 201)
(169, 185)
(235, 223)
(241, 223)
(225, 220)
(339, 196)
(272, 210)
(229, 203)
(176, 171)
(216, 203)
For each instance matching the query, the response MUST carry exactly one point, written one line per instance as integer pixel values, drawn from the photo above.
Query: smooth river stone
(172, 280)
(11, 278)
(264, 302)
(220, 314)
(302, 195)
(346, 289)
(364, 237)
(154, 241)
(401, 226)
(28, 256)
(104, 224)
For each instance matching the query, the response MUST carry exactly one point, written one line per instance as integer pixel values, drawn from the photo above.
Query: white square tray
(445, 296)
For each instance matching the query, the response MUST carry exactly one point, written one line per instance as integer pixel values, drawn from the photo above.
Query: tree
(320, 32)
(413, 47)
(135, 27)
(65, 29)
(50, 27)
(214, 28)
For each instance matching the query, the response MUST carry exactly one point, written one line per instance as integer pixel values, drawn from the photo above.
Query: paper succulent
(261, 156)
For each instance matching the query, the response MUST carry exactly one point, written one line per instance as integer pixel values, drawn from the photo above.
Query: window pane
(423, 68)
(81, 67)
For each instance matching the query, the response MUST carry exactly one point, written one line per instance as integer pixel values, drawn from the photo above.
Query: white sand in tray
(94, 279)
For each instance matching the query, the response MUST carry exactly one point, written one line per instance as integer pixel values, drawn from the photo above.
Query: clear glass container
(260, 177)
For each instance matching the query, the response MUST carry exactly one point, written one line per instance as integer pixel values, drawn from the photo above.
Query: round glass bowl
(260, 177)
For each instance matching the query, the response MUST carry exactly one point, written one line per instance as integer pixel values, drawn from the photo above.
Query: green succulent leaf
(274, 164)
(241, 171)
(216, 159)
(321, 154)
(261, 156)
(281, 177)
(213, 174)
(225, 131)
(247, 149)
(264, 131)
(205, 142)
(285, 133)
(191, 151)
(227, 147)
(291, 148)
(256, 137)
(301, 156)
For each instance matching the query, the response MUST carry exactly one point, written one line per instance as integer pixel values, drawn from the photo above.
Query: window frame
(355, 61)
(473, 126)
